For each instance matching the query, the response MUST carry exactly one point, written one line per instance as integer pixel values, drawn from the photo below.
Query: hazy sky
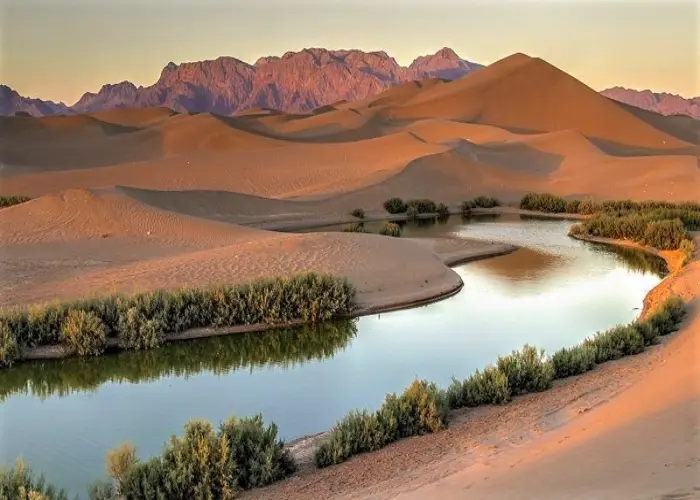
(59, 49)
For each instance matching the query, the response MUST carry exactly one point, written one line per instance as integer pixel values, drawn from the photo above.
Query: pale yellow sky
(59, 49)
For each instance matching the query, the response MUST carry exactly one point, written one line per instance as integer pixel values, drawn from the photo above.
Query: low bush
(422, 206)
(527, 370)
(443, 211)
(395, 206)
(480, 202)
(359, 213)
(543, 202)
(421, 409)
(84, 333)
(390, 229)
(140, 321)
(665, 234)
(487, 387)
(615, 343)
(571, 361)
(9, 349)
(356, 227)
(204, 463)
(412, 213)
(20, 483)
(687, 249)
(666, 318)
(8, 201)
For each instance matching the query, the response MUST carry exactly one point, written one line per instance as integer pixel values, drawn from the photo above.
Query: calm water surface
(62, 417)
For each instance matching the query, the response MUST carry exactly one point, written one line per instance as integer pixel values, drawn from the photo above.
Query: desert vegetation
(355, 227)
(8, 201)
(20, 483)
(140, 321)
(358, 212)
(479, 202)
(657, 224)
(390, 229)
(415, 207)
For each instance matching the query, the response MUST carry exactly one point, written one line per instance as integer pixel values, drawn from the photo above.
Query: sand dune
(139, 117)
(520, 93)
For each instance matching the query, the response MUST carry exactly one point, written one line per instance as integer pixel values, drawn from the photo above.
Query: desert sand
(130, 200)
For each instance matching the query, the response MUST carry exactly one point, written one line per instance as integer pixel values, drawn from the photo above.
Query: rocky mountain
(659, 102)
(12, 103)
(295, 82)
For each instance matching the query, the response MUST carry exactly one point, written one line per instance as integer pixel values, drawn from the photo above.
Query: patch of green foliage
(204, 463)
(421, 409)
(395, 206)
(390, 229)
(355, 227)
(140, 321)
(358, 212)
(20, 483)
(8, 201)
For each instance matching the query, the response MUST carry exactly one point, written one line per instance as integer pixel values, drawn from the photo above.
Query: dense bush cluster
(443, 210)
(659, 224)
(20, 483)
(358, 212)
(8, 201)
(355, 227)
(422, 206)
(421, 409)
(479, 202)
(140, 321)
(688, 212)
(203, 464)
(395, 206)
(244, 454)
(390, 229)
(640, 228)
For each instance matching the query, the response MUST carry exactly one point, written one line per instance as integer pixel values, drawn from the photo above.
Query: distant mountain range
(296, 82)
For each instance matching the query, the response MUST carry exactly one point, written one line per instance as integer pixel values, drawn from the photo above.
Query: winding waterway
(62, 416)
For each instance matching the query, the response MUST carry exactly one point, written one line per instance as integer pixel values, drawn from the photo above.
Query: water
(62, 417)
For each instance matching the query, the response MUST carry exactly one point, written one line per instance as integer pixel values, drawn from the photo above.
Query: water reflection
(284, 348)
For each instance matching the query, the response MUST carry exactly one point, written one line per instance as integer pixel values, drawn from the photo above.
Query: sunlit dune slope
(529, 94)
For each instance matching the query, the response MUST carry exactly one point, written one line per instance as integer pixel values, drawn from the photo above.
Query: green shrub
(646, 330)
(141, 320)
(421, 409)
(20, 483)
(485, 202)
(354, 228)
(358, 212)
(84, 333)
(488, 387)
(422, 206)
(395, 206)
(412, 213)
(571, 361)
(467, 206)
(665, 234)
(619, 341)
(205, 463)
(9, 349)
(666, 318)
(8, 201)
(588, 206)
(527, 370)
(543, 202)
(687, 249)
(390, 229)
(443, 211)
(572, 206)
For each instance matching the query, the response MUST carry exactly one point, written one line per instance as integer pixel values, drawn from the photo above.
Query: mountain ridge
(294, 82)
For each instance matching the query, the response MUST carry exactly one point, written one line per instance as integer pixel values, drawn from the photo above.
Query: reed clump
(140, 321)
